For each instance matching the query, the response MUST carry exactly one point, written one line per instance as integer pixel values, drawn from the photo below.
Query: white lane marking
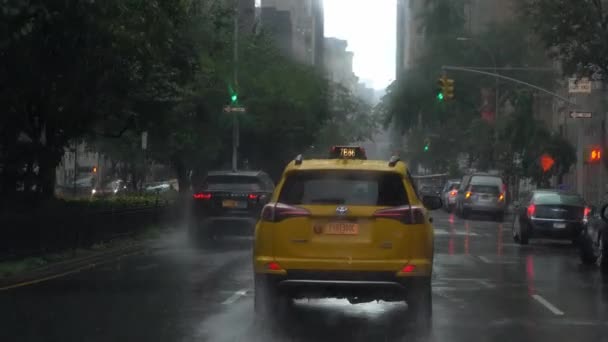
(548, 305)
(484, 259)
(235, 296)
(463, 279)
(443, 232)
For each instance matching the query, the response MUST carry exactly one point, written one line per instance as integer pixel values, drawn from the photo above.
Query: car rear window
(486, 180)
(344, 187)
(544, 198)
(485, 189)
(230, 182)
(454, 186)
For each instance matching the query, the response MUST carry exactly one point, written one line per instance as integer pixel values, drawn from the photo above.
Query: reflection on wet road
(485, 288)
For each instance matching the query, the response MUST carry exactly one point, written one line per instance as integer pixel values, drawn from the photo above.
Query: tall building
(339, 63)
(307, 28)
(410, 34)
(278, 24)
(246, 12)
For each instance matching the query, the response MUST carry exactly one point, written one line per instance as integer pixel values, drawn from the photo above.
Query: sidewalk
(63, 268)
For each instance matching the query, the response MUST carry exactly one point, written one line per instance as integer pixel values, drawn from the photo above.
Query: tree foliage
(574, 32)
(106, 71)
(455, 128)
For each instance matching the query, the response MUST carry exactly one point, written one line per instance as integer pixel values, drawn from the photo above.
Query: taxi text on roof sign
(347, 152)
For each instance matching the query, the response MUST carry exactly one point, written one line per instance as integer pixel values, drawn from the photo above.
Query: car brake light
(279, 211)
(586, 213)
(274, 266)
(253, 196)
(531, 210)
(408, 268)
(202, 196)
(468, 194)
(406, 214)
(453, 193)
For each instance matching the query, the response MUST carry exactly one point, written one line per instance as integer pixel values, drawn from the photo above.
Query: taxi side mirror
(432, 202)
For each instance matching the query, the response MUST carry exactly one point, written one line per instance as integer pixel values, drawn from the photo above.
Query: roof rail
(299, 159)
(393, 161)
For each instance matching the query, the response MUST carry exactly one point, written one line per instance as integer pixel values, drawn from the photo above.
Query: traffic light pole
(514, 80)
(235, 120)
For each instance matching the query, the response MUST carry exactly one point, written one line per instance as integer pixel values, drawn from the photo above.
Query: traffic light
(593, 155)
(449, 89)
(234, 98)
(445, 88)
(441, 83)
(427, 145)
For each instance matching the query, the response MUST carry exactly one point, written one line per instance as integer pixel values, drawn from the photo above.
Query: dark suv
(229, 203)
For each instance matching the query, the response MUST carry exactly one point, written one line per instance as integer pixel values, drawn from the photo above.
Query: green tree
(574, 32)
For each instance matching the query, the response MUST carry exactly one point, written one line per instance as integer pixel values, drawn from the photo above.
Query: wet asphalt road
(485, 288)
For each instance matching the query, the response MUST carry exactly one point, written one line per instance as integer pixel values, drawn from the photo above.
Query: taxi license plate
(559, 225)
(341, 228)
(233, 204)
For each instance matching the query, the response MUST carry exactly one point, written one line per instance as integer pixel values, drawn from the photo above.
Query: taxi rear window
(344, 187)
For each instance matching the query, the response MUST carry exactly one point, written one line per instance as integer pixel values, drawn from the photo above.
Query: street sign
(581, 115)
(576, 85)
(231, 109)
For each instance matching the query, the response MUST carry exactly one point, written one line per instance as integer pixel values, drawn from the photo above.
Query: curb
(64, 268)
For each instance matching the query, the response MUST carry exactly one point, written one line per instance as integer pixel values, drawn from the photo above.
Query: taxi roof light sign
(347, 152)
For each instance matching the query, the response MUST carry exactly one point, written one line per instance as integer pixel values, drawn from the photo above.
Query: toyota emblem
(341, 210)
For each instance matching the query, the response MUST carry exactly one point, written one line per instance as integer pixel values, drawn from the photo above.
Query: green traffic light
(426, 148)
(234, 98)
(440, 96)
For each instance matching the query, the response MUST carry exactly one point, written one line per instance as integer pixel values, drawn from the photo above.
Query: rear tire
(500, 217)
(524, 234)
(419, 301)
(268, 301)
(465, 213)
(587, 254)
(602, 260)
(515, 229)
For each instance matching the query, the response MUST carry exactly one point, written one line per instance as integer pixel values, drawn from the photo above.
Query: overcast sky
(369, 27)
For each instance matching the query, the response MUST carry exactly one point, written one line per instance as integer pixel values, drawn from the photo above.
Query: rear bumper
(364, 286)
(547, 228)
(311, 269)
(493, 208)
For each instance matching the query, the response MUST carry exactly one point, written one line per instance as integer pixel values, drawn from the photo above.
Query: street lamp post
(493, 57)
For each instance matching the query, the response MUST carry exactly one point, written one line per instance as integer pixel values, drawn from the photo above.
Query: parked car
(550, 213)
(449, 193)
(593, 241)
(482, 193)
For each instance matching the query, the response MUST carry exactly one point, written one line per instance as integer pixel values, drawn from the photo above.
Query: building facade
(306, 21)
(339, 63)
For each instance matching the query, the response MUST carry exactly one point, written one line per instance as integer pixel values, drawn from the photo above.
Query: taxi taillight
(276, 212)
(406, 214)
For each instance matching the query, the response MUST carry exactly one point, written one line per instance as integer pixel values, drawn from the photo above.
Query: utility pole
(235, 120)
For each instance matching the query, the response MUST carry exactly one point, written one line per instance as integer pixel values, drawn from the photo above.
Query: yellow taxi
(345, 227)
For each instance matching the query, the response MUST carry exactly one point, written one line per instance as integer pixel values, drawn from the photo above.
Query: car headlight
(94, 191)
